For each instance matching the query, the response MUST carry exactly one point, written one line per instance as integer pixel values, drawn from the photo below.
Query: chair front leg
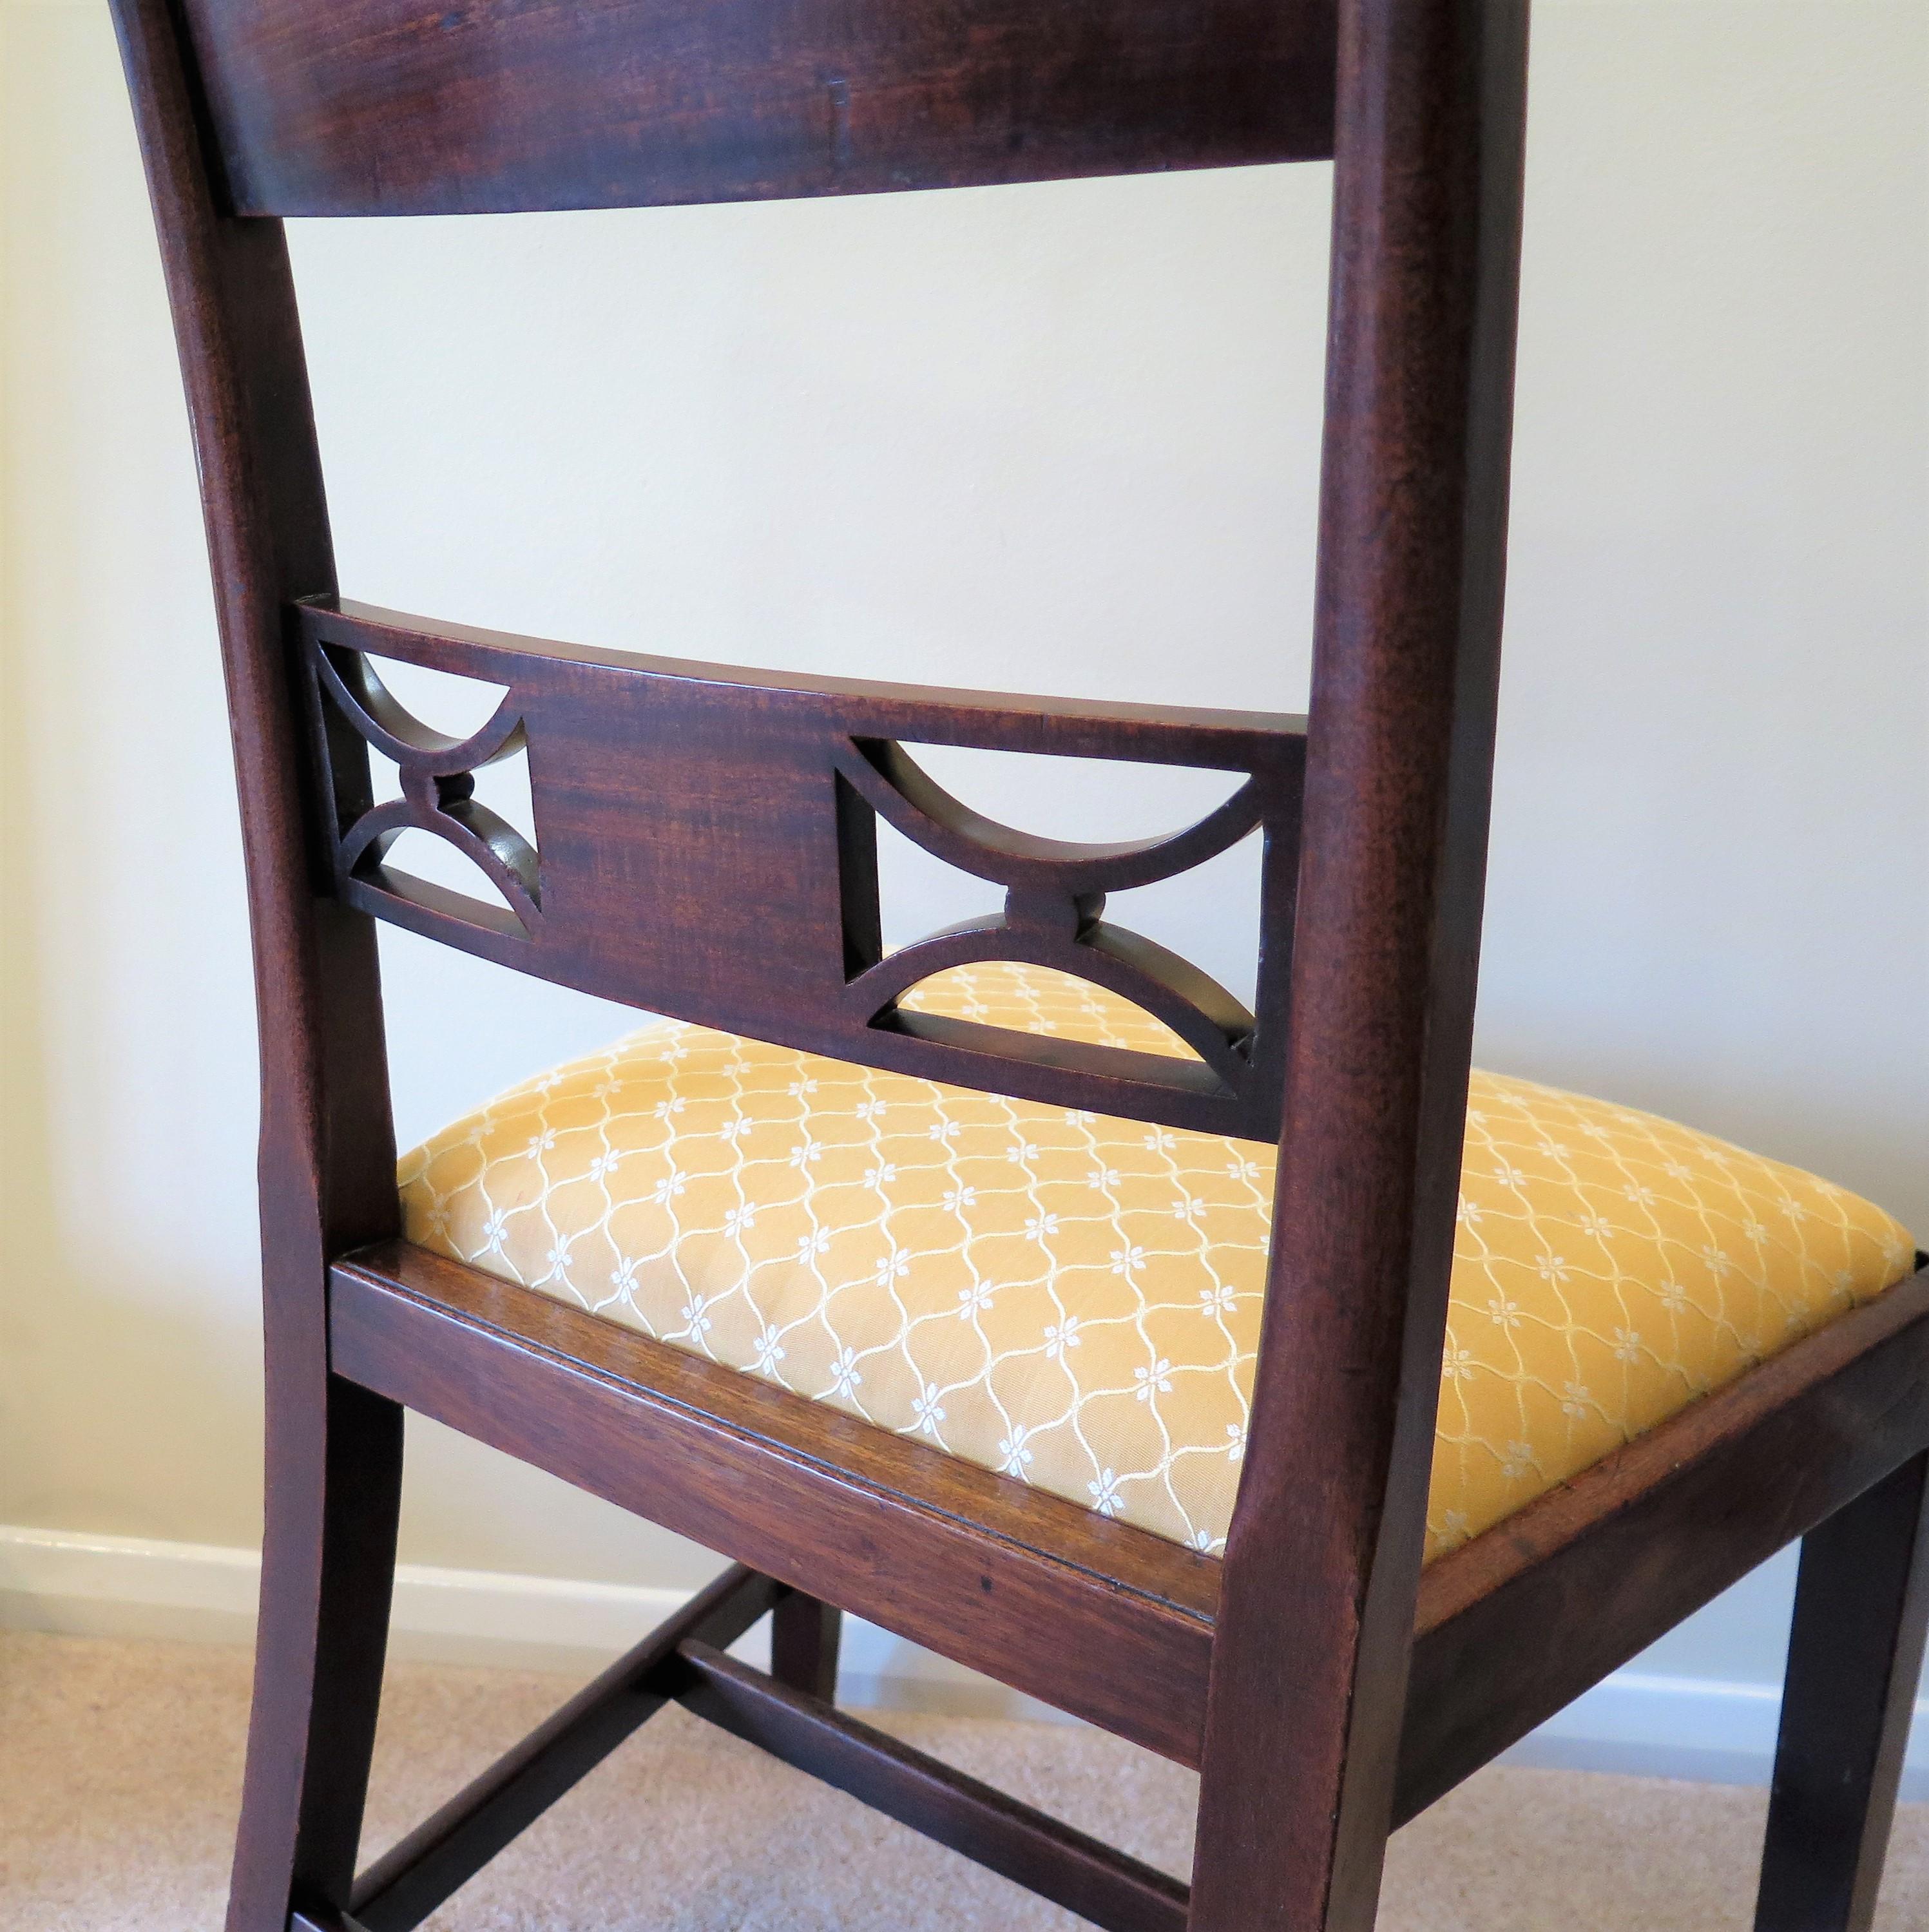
(1861, 1609)
(335, 1482)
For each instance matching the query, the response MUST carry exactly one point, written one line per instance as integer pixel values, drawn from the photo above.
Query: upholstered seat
(1075, 1300)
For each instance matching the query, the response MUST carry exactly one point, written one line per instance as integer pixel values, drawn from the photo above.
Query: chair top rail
(1209, 737)
(368, 107)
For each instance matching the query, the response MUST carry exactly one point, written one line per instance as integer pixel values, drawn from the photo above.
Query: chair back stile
(1328, 1530)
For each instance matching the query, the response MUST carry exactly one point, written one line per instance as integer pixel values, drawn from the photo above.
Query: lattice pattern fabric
(1075, 1300)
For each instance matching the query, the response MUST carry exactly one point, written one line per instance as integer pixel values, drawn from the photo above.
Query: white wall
(1058, 438)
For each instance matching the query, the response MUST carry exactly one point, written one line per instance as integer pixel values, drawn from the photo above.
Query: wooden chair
(1325, 1688)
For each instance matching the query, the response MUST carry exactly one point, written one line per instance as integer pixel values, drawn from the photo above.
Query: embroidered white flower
(1128, 1261)
(1674, 1296)
(694, 1318)
(810, 1245)
(622, 1276)
(1014, 1451)
(1575, 1399)
(1101, 1177)
(926, 1410)
(1627, 1345)
(1235, 1440)
(540, 1143)
(1019, 1152)
(1200, 1540)
(1552, 1268)
(734, 1129)
(1161, 1141)
(1104, 1494)
(1243, 1170)
(1060, 1336)
(1040, 1225)
(973, 1300)
(672, 1185)
(1469, 1214)
(1518, 1461)
(1158, 1377)
(1504, 1313)
(1457, 1365)
(805, 1154)
(604, 1165)
(958, 1198)
(769, 1350)
(1509, 1176)
(665, 1108)
(872, 1110)
(945, 1132)
(1598, 1225)
(798, 1089)
(844, 1376)
(495, 1228)
(893, 1266)
(1218, 1299)
(739, 1219)
(882, 1175)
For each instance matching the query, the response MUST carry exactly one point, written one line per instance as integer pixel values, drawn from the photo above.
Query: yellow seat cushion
(1075, 1300)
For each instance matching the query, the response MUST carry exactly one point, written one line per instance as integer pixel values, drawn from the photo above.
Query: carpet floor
(120, 1765)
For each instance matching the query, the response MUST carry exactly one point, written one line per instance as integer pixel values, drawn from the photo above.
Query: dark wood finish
(1100, 1885)
(1099, 1618)
(706, 846)
(388, 107)
(403, 1886)
(804, 1633)
(1327, 1533)
(327, 1147)
(1861, 1612)
(1522, 1620)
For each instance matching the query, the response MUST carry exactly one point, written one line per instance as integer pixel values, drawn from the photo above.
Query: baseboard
(125, 1586)
(1668, 1726)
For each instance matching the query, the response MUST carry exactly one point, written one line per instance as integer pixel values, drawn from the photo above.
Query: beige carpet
(120, 1765)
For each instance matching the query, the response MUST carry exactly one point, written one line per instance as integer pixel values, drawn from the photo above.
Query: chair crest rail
(706, 846)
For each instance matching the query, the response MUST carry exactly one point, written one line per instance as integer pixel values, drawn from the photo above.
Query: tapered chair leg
(334, 1478)
(804, 1635)
(1855, 1656)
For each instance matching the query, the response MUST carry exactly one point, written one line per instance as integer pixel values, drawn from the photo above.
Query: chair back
(705, 837)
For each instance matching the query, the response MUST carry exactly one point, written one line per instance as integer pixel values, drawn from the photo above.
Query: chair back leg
(1861, 1609)
(327, 1573)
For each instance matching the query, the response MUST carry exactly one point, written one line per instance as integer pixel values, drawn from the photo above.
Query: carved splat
(1055, 901)
(709, 851)
(437, 774)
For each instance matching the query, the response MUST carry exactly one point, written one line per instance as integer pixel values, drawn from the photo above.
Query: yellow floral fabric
(1075, 1300)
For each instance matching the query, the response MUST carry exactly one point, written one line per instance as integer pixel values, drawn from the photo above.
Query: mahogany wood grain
(705, 847)
(1089, 1615)
(390, 107)
(805, 1633)
(414, 1877)
(1861, 1612)
(1518, 1623)
(325, 1167)
(1103, 1886)
(1327, 1532)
